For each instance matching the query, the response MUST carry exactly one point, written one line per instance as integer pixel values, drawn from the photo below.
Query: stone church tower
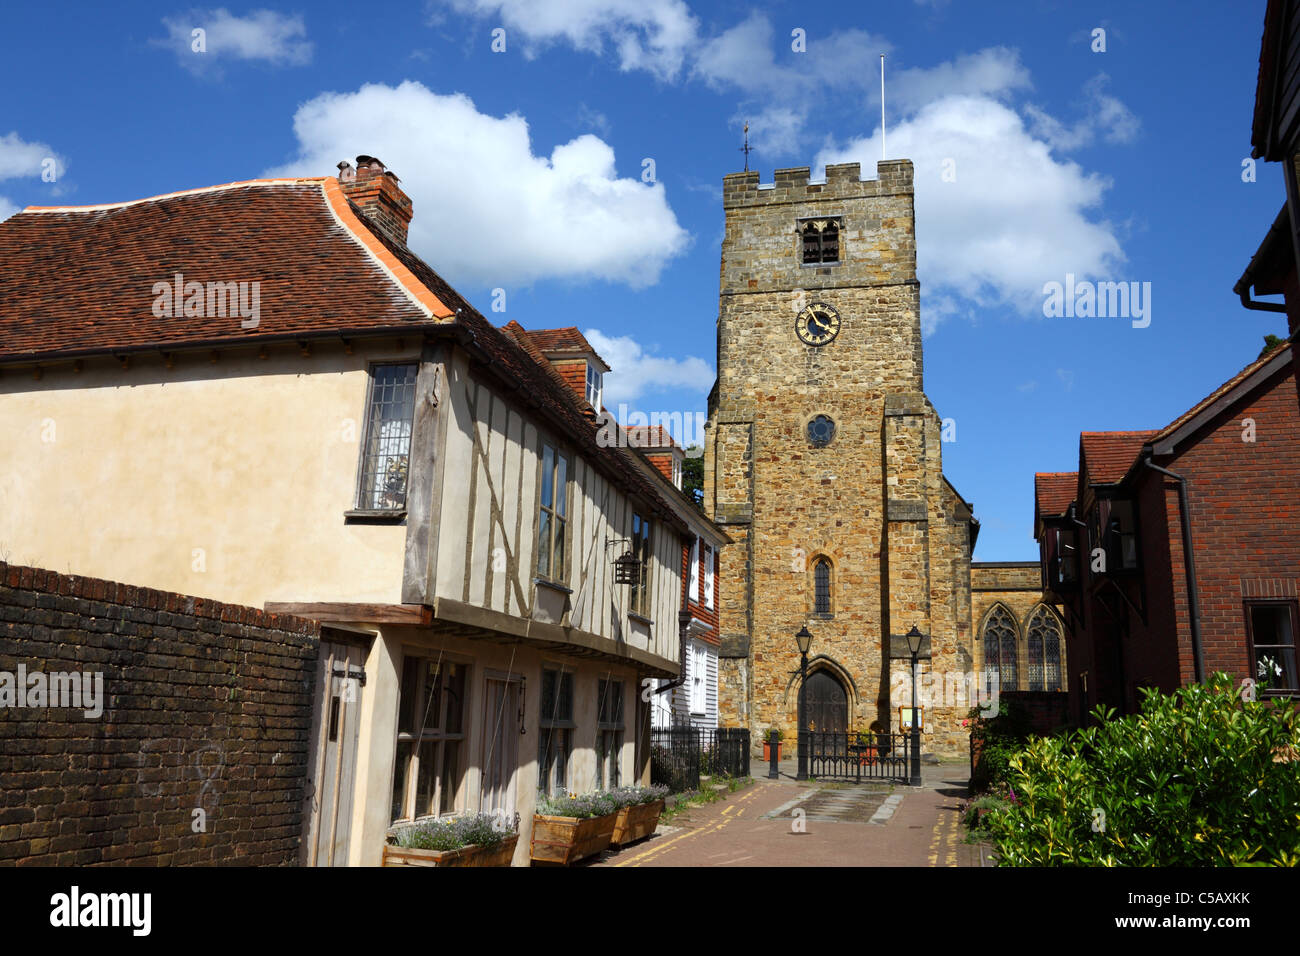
(823, 460)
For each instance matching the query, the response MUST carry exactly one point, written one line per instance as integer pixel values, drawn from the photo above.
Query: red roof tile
(1107, 456)
(561, 340)
(81, 280)
(1054, 490)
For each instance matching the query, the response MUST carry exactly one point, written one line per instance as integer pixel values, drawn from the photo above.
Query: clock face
(817, 324)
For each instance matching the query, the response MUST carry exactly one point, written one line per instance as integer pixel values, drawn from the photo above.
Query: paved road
(782, 823)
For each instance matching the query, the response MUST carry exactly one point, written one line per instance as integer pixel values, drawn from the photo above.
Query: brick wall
(206, 706)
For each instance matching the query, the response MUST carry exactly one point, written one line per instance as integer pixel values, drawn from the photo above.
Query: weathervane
(745, 149)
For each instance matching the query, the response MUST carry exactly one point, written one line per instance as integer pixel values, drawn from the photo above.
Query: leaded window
(640, 598)
(821, 240)
(386, 453)
(1000, 650)
(822, 586)
(1044, 648)
(555, 740)
(553, 515)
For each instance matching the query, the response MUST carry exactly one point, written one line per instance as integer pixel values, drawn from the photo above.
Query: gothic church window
(1044, 650)
(821, 240)
(1000, 657)
(822, 586)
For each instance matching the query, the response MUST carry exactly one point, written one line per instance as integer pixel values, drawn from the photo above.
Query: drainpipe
(1193, 598)
(683, 628)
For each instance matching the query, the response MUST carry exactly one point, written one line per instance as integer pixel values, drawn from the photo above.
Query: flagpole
(882, 106)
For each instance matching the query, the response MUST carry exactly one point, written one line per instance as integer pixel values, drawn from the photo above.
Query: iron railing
(680, 755)
(856, 756)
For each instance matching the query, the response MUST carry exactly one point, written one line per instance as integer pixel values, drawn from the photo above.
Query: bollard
(774, 750)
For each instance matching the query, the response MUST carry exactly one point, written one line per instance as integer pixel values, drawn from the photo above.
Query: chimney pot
(374, 190)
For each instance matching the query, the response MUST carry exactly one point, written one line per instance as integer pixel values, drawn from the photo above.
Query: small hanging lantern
(627, 569)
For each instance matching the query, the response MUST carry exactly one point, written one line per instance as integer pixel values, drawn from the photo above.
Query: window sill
(821, 265)
(640, 618)
(369, 516)
(823, 617)
(554, 586)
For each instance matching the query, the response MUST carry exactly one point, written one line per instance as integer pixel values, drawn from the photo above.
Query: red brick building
(1174, 553)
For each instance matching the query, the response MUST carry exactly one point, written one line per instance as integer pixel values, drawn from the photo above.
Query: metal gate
(857, 756)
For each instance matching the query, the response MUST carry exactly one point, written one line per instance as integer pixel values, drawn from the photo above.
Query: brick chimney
(374, 190)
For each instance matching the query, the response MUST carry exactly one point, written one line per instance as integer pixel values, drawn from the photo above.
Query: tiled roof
(561, 340)
(1054, 490)
(651, 436)
(81, 280)
(1107, 456)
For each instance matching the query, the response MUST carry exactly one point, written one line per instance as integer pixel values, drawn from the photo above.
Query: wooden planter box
(767, 750)
(568, 839)
(636, 823)
(500, 855)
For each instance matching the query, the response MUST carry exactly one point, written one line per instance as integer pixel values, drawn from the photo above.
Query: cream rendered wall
(378, 729)
(226, 480)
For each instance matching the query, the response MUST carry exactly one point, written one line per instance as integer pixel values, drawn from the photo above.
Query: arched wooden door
(826, 704)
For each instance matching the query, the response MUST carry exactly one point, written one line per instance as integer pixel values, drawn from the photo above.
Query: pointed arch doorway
(826, 703)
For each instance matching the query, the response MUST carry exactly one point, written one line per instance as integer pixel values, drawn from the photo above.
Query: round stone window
(820, 431)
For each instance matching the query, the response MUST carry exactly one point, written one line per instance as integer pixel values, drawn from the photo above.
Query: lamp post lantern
(804, 640)
(914, 639)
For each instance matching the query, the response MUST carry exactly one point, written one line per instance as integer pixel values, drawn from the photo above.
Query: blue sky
(1117, 165)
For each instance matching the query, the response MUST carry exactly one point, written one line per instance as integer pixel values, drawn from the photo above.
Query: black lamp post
(804, 640)
(914, 639)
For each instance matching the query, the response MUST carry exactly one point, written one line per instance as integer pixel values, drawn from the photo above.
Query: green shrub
(1199, 778)
(1002, 736)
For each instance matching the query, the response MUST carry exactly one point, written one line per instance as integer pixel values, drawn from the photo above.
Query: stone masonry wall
(205, 706)
(873, 501)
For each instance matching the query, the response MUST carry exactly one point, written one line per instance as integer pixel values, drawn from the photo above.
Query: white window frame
(595, 386)
(693, 582)
(708, 576)
(699, 679)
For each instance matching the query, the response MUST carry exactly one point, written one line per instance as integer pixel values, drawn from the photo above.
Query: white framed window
(595, 386)
(677, 472)
(553, 516)
(708, 576)
(609, 734)
(693, 581)
(699, 679)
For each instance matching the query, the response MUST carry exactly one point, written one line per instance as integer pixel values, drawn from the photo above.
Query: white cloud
(7, 209)
(650, 35)
(19, 158)
(277, 38)
(1066, 377)
(995, 71)
(1014, 218)
(487, 210)
(634, 372)
(780, 91)
(1106, 120)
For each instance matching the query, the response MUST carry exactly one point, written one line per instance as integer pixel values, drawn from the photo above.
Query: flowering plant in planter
(477, 839)
(639, 809)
